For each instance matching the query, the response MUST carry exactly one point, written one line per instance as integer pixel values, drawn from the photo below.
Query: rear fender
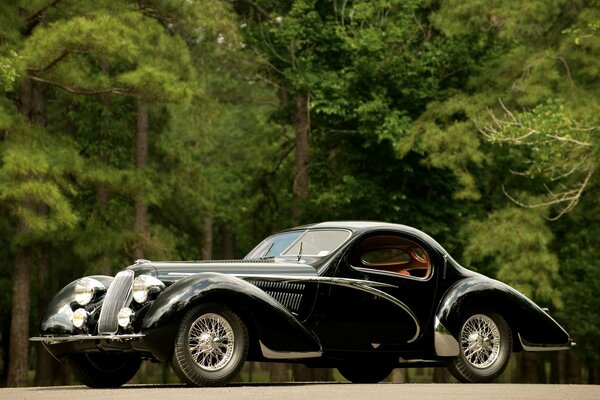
(280, 334)
(532, 326)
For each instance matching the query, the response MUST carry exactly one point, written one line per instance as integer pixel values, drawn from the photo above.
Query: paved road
(310, 391)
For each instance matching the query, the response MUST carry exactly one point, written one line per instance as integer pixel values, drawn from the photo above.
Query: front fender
(277, 329)
(533, 326)
(58, 315)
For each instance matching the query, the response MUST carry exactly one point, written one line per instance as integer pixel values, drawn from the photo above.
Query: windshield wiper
(267, 256)
(300, 252)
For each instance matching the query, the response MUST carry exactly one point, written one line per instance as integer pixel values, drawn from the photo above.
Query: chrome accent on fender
(362, 285)
(527, 346)
(76, 338)
(445, 344)
(280, 355)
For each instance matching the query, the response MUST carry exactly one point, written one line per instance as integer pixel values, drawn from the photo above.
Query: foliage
(33, 183)
(513, 244)
(445, 115)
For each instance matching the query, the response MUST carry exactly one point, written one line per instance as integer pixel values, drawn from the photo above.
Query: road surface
(312, 391)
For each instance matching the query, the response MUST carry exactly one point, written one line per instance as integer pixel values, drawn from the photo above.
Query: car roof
(363, 226)
(353, 225)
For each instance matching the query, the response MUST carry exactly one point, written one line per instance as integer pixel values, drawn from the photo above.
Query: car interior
(392, 253)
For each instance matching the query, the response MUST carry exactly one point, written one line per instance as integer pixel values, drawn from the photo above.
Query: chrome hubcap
(211, 342)
(480, 341)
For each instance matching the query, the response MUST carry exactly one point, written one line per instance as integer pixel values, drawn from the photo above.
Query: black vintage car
(363, 297)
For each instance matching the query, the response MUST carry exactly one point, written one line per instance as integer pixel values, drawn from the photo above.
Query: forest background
(191, 129)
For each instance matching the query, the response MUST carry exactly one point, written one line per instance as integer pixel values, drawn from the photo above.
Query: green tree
(82, 50)
(530, 107)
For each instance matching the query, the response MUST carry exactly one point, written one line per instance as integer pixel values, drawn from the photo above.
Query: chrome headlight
(125, 316)
(86, 288)
(144, 286)
(80, 317)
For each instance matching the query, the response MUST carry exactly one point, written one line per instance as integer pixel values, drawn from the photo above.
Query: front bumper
(62, 345)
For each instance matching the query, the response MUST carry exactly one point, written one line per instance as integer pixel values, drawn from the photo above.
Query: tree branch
(34, 19)
(51, 64)
(76, 90)
(570, 197)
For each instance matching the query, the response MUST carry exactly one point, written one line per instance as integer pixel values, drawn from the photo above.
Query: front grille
(117, 295)
(288, 294)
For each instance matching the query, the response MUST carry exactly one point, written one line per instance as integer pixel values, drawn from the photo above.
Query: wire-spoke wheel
(485, 346)
(211, 341)
(211, 346)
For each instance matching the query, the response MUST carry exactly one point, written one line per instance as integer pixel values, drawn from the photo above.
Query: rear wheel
(211, 346)
(104, 370)
(364, 373)
(485, 346)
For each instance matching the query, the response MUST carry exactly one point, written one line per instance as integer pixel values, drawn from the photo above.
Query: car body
(363, 297)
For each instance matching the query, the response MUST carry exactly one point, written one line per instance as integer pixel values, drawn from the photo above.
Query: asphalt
(312, 391)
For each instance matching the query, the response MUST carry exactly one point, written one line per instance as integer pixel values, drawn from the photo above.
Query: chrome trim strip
(76, 338)
(542, 347)
(362, 285)
(281, 355)
(445, 344)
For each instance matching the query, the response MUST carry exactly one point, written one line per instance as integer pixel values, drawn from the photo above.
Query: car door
(372, 300)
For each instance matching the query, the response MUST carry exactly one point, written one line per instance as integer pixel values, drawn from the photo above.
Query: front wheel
(364, 373)
(211, 346)
(485, 345)
(104, 370)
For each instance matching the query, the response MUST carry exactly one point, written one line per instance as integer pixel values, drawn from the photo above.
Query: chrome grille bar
(117, 295)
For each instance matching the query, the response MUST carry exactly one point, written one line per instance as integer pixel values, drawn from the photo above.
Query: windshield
(313, 243)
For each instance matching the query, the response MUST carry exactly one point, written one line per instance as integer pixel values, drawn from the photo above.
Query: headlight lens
(80, 316)
(124, 317)
(85, 290)
(144, 286)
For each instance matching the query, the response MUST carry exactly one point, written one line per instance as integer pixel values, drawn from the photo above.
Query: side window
(387, 256)
(389, 253)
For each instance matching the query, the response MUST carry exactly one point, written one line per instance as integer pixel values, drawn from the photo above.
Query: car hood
(169, 272)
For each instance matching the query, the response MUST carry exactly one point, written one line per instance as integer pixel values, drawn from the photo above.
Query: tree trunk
(440, 375)
(141, 207)
(301, 178)
(102, 192)
(301, 373)
(18, 352)
(207, 242)
(102, 203)
(531, 368)
(228, 243)
(279, 372)
(556, 367)
(573, 369)
(400, 375)
(48, 371)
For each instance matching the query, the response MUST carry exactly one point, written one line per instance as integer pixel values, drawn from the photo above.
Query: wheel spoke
(480, 341)
(211, 341)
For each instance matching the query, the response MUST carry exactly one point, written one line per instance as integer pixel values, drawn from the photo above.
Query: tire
(211, 346)
(104, 370)
(485, 344)
(364, 373)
